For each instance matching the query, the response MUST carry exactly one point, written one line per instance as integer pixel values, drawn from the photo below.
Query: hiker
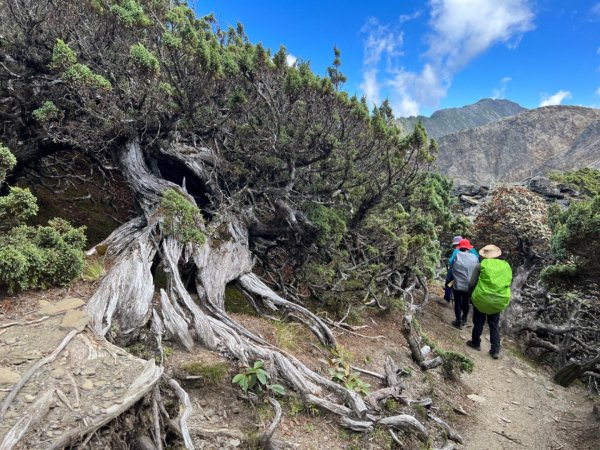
(463, 266)
(490, 297)
(447, 284)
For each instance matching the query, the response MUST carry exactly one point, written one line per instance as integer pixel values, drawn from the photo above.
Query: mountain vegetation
(453, 120)
(247, 174)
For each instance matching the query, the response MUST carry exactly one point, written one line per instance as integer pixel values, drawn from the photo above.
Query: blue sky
(428, 55)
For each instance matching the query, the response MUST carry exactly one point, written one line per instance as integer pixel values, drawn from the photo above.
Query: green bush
(34, 257)
(62, 55)
(575, 241)
(143, 58)
(46, 112)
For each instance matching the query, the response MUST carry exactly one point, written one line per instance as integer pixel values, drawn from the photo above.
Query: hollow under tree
(244, 169)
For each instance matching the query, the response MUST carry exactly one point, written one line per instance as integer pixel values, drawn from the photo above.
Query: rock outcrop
(529, 144)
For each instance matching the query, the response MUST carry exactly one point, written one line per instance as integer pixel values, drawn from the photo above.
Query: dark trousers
(494, 323)
(461, 305)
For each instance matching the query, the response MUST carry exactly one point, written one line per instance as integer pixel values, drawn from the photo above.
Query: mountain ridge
(452, 120)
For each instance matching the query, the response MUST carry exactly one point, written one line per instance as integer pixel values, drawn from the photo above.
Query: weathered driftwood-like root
(31, 417)
(140, 387)
(266, 439)
(254, 286)
(415, 349)
(185, 411)
(450, 432)
(125, 293)
(51, 357)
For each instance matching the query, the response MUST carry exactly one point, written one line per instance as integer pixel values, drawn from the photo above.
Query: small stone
(60, 307)
(8, 376)
(95, 410)
(515, 403)
(234, 442)
(476, 398)
(10, 415)
(74, 320)
(108, 394)
(59, 372)
(236, 410)
(100, 383)
(43, 303)
(28, 398)
(49, 433)
(10, 341)
(88, 372)
(87, 385)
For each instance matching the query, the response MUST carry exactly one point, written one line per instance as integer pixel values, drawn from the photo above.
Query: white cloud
(406, 17)
(290, 59)
(598, 91)
(460, 30)
(554, 99)
(500, 92)
(596, 10)
(370, 87)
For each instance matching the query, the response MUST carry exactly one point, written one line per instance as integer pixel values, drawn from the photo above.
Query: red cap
(464, 243)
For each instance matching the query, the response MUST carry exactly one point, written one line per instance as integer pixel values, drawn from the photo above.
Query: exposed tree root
(123, 304)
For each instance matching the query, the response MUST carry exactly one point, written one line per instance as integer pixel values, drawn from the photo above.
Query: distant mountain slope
(452, 120)
(531, 143)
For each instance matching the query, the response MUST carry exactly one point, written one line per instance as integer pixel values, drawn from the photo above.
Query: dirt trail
(516, 404)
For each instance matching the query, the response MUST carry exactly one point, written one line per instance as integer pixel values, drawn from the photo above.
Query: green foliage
(454, 363)
(62, 56)
(130, 13)
(212, 374)
(83, 77)
(93, 268)
(143, 58)
(38, 257)
(181, 218)
(34, 257)
(287, 335)
(48, 111)
(575, 241)
(20, 204)
(7, 162)
(331, 226)
(586, 180)
(340, 372)
(255, 379)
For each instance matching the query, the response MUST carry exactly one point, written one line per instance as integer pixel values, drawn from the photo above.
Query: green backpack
(492, 293)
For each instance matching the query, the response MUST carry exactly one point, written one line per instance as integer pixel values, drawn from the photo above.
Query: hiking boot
(463, 322)
(495, 355)
(457, 324)
(473, 345)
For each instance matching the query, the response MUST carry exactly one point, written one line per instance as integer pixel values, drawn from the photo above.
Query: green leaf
(244, 383)
(258, 364)
(237, 378)
(277, 388)
(262, 376)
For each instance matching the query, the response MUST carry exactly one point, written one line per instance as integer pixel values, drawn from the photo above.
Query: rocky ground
(87, 383)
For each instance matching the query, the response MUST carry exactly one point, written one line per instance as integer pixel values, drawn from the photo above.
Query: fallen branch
(12, 324)
(504, 435)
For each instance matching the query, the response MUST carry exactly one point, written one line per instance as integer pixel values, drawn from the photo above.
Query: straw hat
(490, 251)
